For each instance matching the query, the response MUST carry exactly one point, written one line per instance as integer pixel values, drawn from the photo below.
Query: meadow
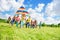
(8, 32)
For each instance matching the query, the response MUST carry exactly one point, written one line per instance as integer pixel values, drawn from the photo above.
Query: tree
(43, 24)
(3, 20)
(52, 25)
(59, 25)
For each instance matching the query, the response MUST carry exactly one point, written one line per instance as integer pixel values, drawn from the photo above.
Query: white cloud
(49, 10)
(5, 5)
(40, 7)
(50, 20)
(56, 7)
(30, 10)
(7, 15)
(52, 9)
(4, 16)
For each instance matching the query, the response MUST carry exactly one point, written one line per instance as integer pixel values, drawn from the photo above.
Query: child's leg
(31, 26)
(28, 25)
(40, 26)
(11, 23)
(16, 24)
(35, 26)
(21, 24)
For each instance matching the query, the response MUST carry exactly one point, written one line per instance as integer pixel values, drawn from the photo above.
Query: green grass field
(8, 32)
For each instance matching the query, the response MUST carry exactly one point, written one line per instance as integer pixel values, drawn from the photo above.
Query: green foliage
(43, 24)
(3, 20)
(59, 25)
(52, 25)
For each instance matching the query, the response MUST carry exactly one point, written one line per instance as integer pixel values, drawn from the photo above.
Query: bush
(59, 25)
(43, 24)
(3, 20)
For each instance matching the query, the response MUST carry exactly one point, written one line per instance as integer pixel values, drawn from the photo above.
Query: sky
(47, 11)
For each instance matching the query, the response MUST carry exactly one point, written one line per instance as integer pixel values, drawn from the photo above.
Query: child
(17, 21)
(22, 23)
(13, 20)
(40, 24)
(28, 21)
(35, 24)
(32, 24)
(9, 20)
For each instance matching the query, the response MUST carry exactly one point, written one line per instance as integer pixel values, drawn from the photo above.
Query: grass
(8, 32)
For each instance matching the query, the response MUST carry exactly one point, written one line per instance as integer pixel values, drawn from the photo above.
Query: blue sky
(35, 2)
(45, 10)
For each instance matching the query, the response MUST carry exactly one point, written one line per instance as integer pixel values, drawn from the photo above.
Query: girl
(32, 23)
(17, 21)
(35, 24)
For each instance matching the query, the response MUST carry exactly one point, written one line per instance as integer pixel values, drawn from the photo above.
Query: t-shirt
(17, 19)
(28, 20)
